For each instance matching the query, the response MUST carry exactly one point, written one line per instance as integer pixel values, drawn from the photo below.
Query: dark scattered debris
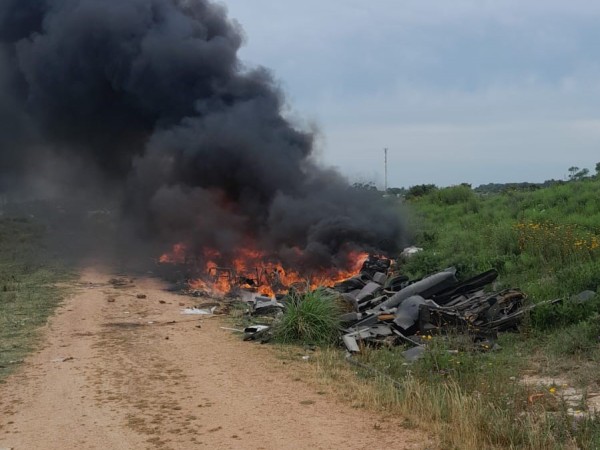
(121, 283)
(386, 308)
(124, 325)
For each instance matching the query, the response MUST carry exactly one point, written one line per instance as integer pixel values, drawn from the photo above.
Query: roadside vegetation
(28, 291)
(542, 239)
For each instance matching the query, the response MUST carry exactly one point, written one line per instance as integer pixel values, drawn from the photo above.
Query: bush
(456, 194)
(420, 190)
(310, 318)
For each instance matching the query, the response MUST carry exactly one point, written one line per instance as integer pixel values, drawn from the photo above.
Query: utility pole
(385, 186)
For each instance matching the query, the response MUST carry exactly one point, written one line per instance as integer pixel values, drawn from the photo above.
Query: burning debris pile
(247, 271)
(374, 303)
(383, 307)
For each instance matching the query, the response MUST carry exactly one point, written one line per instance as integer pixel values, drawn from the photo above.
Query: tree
(572, 171)
(598, 169)
(583, 173)
(396, 191)
(368, 186)
(577, 174)
(420, 190)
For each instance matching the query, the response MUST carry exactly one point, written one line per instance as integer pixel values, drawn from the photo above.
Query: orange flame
(252, 269)
(176, 256)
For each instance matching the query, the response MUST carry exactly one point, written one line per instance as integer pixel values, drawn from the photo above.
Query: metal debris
(257, 332)
(266, 306)
(388, 307)
(383, 307)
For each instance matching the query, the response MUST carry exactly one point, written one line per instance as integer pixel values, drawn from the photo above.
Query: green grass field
(28, 294)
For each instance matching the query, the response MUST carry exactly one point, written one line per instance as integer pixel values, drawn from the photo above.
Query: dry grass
(457, 419)
(462, 401)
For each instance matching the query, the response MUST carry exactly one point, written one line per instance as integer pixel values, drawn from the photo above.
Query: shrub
(310, 318)
(420, 190)
(454, 195)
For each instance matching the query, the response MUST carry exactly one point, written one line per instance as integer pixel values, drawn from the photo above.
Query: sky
(472, 91)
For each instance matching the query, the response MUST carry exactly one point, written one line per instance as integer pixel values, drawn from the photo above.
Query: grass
(28, 294)
(547, 242)
(309, 318)
(480, 405)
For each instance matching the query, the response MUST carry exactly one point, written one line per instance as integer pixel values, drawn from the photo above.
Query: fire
(176, 256)
(252, 269)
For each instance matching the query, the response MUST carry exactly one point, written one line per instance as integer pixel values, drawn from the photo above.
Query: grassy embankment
(547, 242)
(28, 294)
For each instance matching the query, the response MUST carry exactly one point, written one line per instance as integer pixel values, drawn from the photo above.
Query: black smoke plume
(147, 101)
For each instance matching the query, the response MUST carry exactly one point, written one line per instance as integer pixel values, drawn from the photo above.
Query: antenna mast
(385, 187)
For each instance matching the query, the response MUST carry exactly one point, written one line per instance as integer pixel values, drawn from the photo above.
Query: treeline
(419, 190)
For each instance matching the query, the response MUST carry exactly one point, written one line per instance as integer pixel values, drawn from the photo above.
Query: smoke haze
(147, 103)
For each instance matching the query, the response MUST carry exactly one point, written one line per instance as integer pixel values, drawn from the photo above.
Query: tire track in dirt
(123, 372)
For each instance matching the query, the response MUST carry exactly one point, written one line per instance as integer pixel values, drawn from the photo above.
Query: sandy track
(107, 378)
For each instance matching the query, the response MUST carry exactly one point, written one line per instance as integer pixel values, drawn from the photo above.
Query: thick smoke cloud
(149, 97)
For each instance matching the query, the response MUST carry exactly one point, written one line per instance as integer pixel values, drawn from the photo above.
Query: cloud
(464, 84)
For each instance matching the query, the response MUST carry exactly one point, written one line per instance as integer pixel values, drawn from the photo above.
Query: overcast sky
(459, 91)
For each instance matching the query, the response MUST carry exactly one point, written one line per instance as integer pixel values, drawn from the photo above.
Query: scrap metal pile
(386, 307)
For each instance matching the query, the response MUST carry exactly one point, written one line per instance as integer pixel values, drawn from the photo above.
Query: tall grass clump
(309, 318)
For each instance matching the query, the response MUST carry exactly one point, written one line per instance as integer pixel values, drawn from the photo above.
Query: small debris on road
(199, 311)
(65, 359)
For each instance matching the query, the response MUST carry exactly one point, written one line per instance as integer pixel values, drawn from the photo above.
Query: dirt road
(121, 372)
